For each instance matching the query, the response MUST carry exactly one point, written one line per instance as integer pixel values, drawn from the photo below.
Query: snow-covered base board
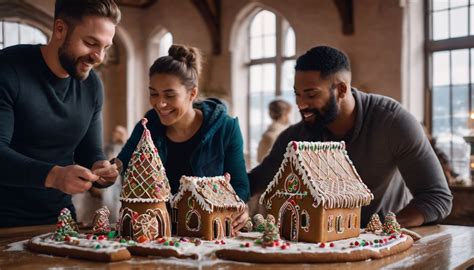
(245, 249)
(80, 247)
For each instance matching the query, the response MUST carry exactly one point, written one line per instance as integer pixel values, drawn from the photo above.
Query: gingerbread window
(339, 224)
(228, 227)
(305, 220)
(330, 223)
(193, 221)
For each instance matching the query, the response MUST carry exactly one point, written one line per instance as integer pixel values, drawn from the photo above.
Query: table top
(442, 247)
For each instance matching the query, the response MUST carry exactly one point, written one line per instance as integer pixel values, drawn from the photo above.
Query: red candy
(356, 243)
(331, 244)
(283, 246)
(142, 239)
(222, 242)
(101, 237)
(247, 244)
(322, 245)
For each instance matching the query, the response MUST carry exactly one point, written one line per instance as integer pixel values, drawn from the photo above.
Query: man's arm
(421, 171)
(17, 169)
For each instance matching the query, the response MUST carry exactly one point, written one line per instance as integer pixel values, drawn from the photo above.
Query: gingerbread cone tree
(144, 193)
(374, 224)
(101, 221)
(390, 224)
(145, 177)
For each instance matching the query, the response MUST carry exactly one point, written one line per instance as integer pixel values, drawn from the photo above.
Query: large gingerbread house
(203, 207)
(145, 191)
(317, 194)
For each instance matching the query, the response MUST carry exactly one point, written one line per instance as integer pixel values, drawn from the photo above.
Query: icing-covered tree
(101, 221)
(374, 225)
(271, 232)
(390, 224)
(259, 223)
(65, 225)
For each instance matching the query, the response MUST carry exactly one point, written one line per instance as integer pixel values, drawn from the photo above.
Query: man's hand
(239, 220)
(107, 172)
(71, 179)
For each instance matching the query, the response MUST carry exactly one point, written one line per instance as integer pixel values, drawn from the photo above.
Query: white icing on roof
(209, 192)
(328, 173)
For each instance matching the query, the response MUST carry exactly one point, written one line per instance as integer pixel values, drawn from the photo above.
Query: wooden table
(442, 247)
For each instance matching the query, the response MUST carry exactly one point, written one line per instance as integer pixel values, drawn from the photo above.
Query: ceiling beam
(346, 12)
(136, 3)
(211, 13)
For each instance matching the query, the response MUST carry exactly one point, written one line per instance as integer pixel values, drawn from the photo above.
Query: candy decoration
(374, 224)
(390, 224)
(101, 221)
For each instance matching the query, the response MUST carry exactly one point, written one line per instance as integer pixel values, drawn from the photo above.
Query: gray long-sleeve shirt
(389, 150)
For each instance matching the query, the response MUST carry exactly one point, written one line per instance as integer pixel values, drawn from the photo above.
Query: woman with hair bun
(193, 138)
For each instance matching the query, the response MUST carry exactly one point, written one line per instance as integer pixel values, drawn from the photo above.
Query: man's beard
(70, 64)
(326, 116)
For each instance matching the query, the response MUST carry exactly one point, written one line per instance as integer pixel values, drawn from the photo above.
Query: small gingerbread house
(317, 194)
(145, 191)
(203, 207)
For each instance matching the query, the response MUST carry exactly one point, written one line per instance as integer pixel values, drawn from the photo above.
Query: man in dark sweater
(385, 142)
(50, 115)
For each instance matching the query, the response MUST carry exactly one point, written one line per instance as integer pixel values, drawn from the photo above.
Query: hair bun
(186, 54)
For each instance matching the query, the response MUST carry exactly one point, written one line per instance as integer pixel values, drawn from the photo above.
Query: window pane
(460, 67)
(288, 76)
(1, 31)
(458, 3)
(40, 38)
(440, 4)
(269, 76)
(27, 34)
(256, 45)
(11, 34)
(290, 42)
(269, 23)
(441, 68)
(441, 111)
(255, 78)
(440, 25)
(472, 20)
(269, 46)
(165, 43)
(256, 27)
(459, 22)
(460, 109)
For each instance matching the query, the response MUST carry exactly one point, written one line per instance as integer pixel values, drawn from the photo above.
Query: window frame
(282, 26)
(449, 44)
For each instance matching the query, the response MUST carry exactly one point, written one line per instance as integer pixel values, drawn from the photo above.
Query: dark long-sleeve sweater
(390, 152)
(44, 121)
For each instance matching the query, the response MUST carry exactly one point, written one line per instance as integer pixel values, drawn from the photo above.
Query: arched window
(159, 45)
(13, 33)
(271, 71)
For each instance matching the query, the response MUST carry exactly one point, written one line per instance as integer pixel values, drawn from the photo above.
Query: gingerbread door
(289, 221)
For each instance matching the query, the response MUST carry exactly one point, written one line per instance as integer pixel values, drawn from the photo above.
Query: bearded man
(50, 115)
(384, 141)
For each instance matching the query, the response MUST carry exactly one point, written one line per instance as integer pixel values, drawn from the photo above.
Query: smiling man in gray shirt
(385, 142)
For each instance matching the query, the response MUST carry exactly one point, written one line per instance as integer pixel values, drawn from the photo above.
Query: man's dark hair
(326, 60)
(72, 11)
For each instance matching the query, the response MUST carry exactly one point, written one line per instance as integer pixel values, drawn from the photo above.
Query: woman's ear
(194, 93)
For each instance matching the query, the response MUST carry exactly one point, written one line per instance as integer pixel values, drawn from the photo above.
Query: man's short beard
(326, 116)
(70, 64)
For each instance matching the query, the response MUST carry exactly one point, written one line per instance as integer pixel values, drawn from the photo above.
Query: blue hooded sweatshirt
(220, 147)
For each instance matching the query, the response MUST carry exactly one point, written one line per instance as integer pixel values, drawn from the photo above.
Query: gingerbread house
(145, 191)
(203, 207)
(317, 194)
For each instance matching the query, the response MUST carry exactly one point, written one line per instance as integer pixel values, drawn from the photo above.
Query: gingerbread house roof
(209, 192)
(326, 170)
(145, 179)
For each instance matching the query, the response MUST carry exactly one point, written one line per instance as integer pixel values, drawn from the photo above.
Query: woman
(193, 138)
